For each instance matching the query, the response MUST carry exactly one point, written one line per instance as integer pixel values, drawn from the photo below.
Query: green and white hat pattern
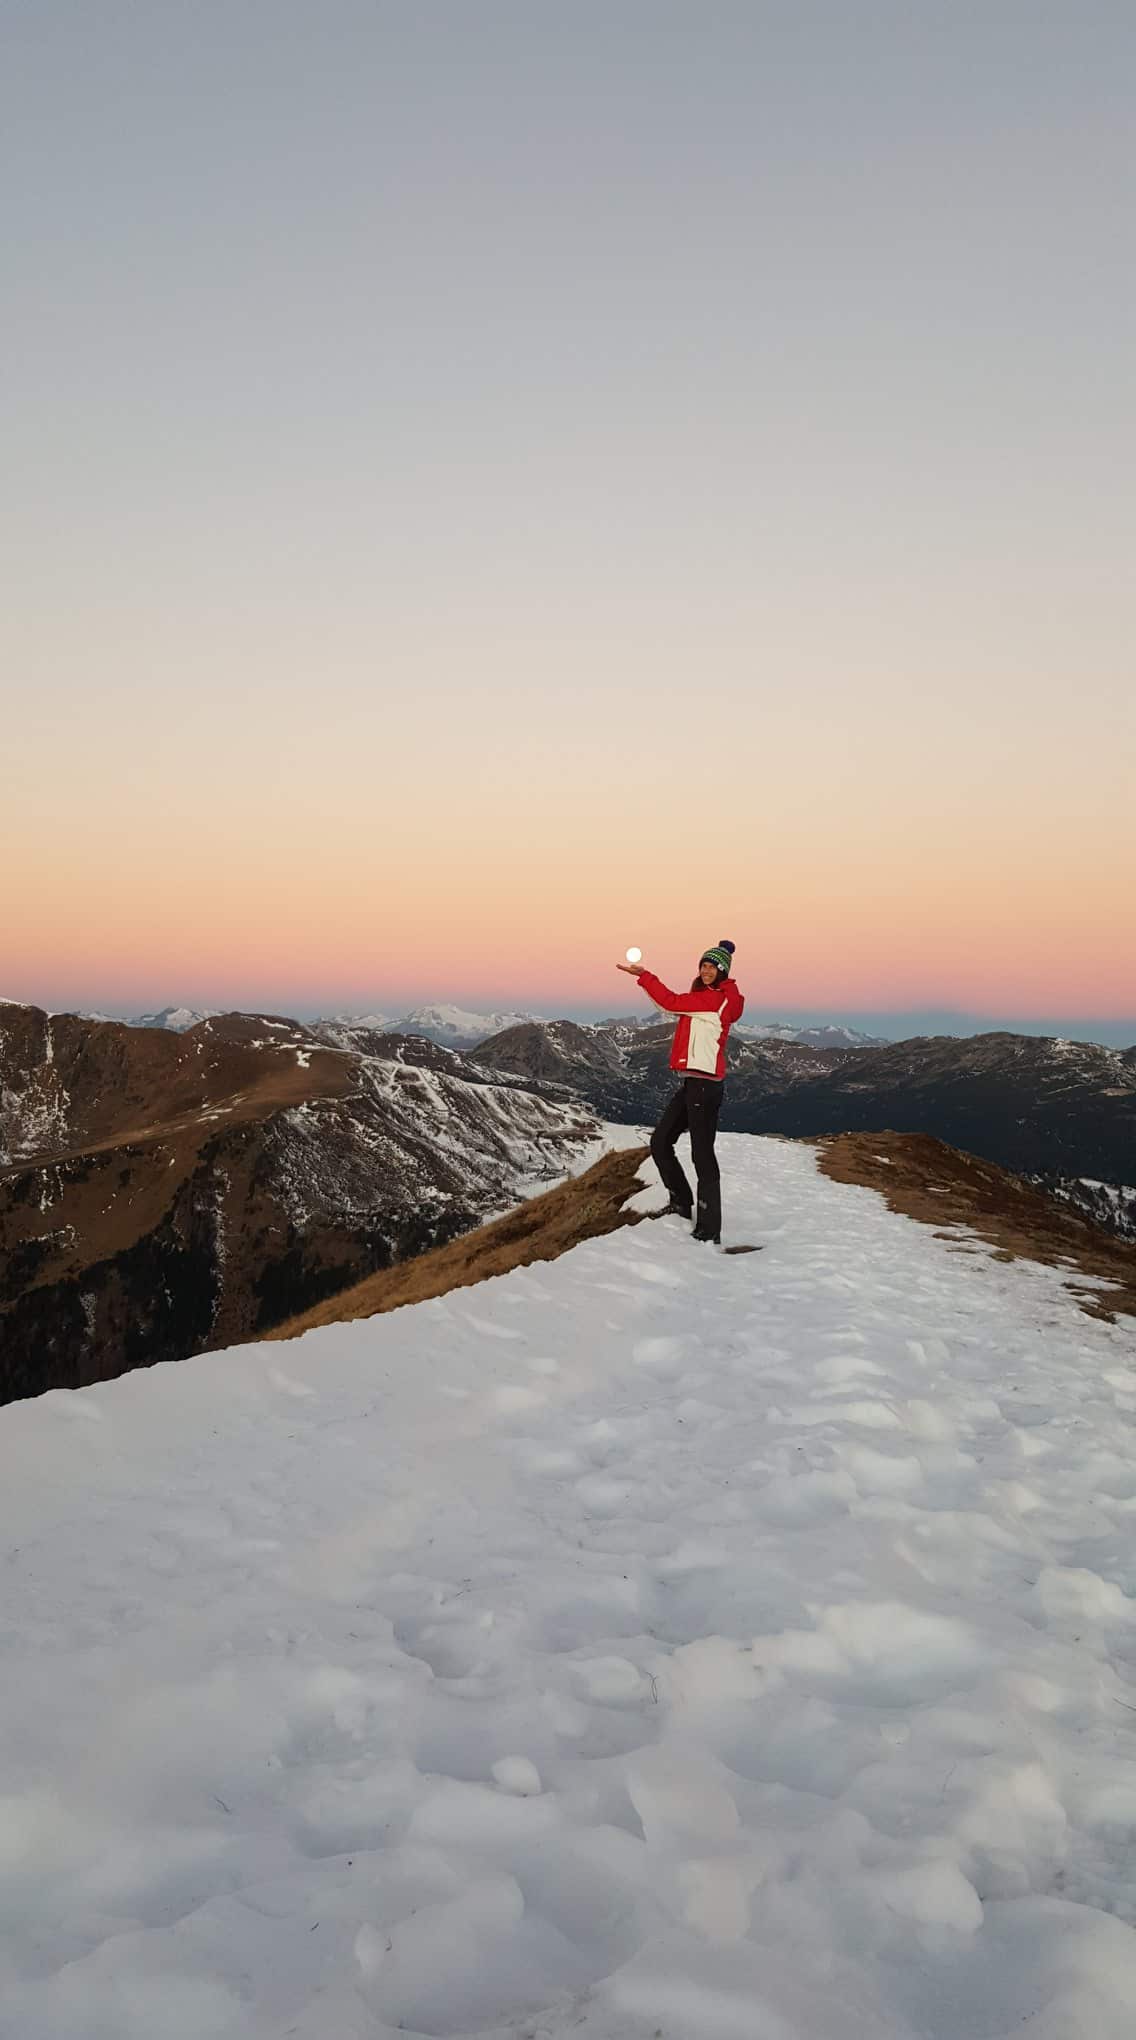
(721, 956)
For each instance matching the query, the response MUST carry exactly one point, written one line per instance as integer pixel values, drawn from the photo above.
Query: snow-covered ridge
(646, 1641)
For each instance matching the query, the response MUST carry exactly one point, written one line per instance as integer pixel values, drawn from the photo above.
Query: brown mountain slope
(69, 1085)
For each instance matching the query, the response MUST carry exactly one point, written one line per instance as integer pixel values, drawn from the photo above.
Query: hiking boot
(676, 1210)
(713, 1239)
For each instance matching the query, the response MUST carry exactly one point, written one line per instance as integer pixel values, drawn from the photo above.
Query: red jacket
(707, 1015)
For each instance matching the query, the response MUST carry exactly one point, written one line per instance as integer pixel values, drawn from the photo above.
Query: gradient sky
(484, 484)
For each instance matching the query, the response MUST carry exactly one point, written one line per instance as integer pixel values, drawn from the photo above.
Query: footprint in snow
(552, 1462)
(651, 1271)
(609, 1681)
(876, 1653)
(691, 1557)
(660, 1355)
(452, 1649)
(602, 1496)
(842, 1367)
(512, 1399)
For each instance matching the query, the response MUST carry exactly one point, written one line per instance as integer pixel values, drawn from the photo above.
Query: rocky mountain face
(1111, 1207)
(613, 1064)
(165, 1193)
(1032, 1104)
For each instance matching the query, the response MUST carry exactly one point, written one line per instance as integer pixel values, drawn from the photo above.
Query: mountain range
(163, 1193)
(449, 1026)
(455, 1027)
(1037, 1105)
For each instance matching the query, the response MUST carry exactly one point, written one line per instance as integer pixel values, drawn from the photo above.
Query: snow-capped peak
(453, 1026)
(375, 1023)
(176, 1019)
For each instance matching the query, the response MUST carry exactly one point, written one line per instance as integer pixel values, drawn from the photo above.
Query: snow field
(646, 1643)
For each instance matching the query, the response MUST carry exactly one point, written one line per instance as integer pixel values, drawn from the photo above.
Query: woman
(707, 1013)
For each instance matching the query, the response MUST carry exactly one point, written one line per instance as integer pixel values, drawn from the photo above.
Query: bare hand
(632, 969)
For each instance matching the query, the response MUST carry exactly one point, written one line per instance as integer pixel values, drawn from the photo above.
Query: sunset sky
(486, 484)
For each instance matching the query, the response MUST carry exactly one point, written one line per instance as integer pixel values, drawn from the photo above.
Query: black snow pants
(694, 1109)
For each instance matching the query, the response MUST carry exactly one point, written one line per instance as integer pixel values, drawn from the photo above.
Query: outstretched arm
(671, 1002)
(706, 999)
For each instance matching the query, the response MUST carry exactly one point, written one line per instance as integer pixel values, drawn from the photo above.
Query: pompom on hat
(721, 956)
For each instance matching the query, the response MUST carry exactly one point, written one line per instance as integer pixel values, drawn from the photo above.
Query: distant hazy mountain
(175, 1019)
(449, 1026)
(830, 1034)
(454, 1028)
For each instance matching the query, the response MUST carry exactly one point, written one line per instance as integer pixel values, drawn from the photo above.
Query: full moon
(635, 956)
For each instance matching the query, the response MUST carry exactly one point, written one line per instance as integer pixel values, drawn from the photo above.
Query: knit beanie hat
(720, 956)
